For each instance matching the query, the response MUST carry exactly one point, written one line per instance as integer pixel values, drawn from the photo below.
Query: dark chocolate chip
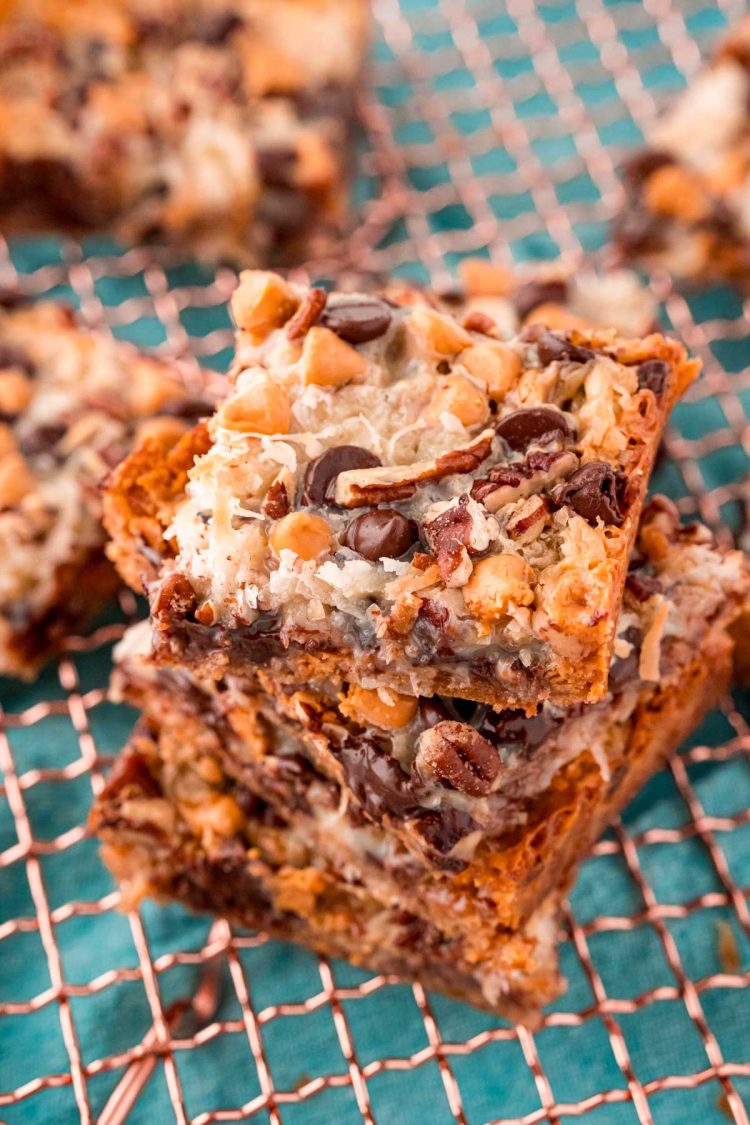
(639, 167)
(642, 586)
(432, 711)
(595, 492)
(624, 669)
(320, 475)
(553, 348)
(214, 28)
(442, 828)
(359, 320)
(653, 375)
(637, 231)
(276, 165)
(518, 732)
(536, 426)
(12, 357)
(384, 533)
(11, 298)
(534, 293)
(376, 779)
(42, 439)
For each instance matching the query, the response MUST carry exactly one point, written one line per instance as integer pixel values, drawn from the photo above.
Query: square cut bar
(72, 403)
(223, 126)
(687, 192)
(392, 497)
(470, 818)
(176, 825)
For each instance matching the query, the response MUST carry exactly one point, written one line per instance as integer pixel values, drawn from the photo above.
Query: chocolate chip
(553, 348)
(42, 439)
(534, 293)
(432, 711)
(637, 231)
(518, 731)
(455, 755)
(653, 375)
(276, 165)
(442, 829)
(376, 779)
(11, 298)
(12, 357)
(638, 168)
(384, 533)
(624, 669)
(214, 28)
(595, 492)
(320, 475)
(642, 586)
(358, 321)
(536, 426)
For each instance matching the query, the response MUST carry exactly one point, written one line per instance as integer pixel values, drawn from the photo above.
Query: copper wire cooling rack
(489, 126)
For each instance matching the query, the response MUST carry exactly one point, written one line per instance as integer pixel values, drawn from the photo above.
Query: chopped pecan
(357, 488)
(276, 503)
(453, 532)
(506, 484)
(453, 754)
(307, 314)
(478, 321)
(527, 523)
(176, 599)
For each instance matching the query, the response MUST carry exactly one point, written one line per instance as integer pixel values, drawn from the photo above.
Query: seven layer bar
(459, 827)
(399, 497)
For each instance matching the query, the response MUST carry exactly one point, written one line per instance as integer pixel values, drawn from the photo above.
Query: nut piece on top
(411, 503)
(72, 403)
(686, 191)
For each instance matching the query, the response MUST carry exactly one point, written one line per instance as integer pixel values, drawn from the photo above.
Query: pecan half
(357, 488)
(454, 755)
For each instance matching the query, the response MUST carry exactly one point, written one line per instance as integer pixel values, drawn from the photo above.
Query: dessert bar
(686, 191)
(468, 817)
(223, 126)
(399, 497)
(72, 403)
(186, 830)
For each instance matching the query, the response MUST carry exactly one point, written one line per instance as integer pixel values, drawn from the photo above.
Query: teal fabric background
(652, 945)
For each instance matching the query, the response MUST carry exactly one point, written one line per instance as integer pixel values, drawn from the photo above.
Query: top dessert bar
(72, 403)
(399, 498)
(687, 191)
(223, 126)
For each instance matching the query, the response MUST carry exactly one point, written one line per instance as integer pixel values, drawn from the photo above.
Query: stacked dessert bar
(224, 126)
(686, 191)
(73, 402)
(413, 638)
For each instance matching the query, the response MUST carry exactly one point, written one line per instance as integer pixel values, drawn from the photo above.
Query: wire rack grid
(488, 128)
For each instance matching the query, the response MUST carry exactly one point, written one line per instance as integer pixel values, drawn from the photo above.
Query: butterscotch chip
(497, 586)
(302, 532)
(483, 279)
(496, 364)
(388, 711)
(436, 332)
(264, 408)
(458, 395)
(328, 361)
(261, 302)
